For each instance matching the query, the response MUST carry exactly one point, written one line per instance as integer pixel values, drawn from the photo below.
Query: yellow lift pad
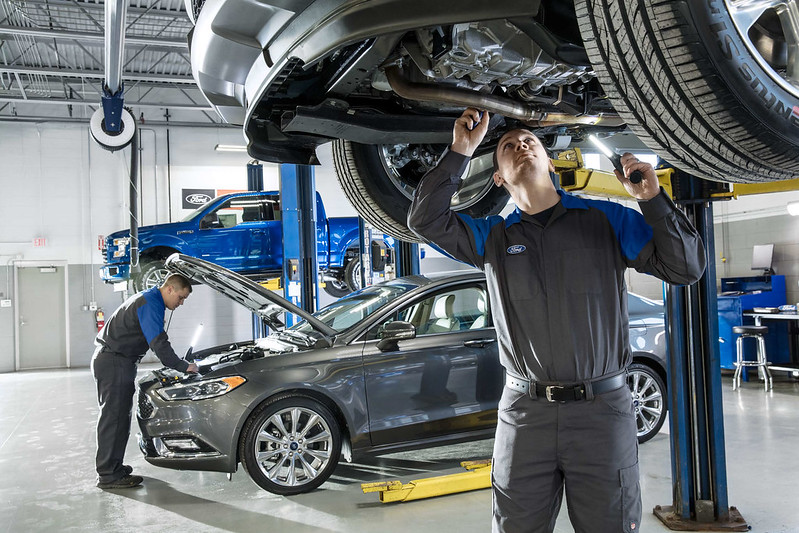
(478, 477)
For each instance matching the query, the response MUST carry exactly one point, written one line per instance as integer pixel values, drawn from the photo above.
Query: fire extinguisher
(99, 318)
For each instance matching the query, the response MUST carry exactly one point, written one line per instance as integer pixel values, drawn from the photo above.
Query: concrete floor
(47, 421)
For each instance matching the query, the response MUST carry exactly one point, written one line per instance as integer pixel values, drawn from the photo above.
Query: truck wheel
(152, 275)
(291, 445)
(352, 275)
(379, 181)
(711, 87)
(337, 288)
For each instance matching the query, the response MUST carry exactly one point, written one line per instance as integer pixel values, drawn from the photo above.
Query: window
(244, 209)
(447, 311)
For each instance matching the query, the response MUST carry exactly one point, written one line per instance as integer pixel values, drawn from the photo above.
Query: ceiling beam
(90, 37)
(128, 103)
(99, 74)
(93, 6)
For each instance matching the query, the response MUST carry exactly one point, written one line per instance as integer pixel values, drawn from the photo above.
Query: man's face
(520, 155)
(174, 298)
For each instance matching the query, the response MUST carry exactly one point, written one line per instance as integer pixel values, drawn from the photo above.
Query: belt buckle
(548, 392)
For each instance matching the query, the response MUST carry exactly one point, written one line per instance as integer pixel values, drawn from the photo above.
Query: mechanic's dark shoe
(127, 469)
(125, 482)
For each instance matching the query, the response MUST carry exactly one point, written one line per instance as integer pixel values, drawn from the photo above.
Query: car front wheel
(649, 400)
(379, 181)
(290, 445)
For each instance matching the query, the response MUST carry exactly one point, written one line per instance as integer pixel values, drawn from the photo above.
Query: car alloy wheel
(291, 445)
(649, 400)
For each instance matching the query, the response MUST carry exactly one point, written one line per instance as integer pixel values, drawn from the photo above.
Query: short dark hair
(177, 281)
(495, 159)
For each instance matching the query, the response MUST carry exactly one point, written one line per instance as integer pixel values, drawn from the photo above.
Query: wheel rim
(293, 446)
(405, 164)
(647, 400)
(155, 278)
(356, 276)
(770, 29)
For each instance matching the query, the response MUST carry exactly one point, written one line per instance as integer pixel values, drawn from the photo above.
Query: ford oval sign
(516, 249)
(197, 199)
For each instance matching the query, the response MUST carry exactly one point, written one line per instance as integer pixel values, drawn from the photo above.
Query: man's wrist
(462, 149)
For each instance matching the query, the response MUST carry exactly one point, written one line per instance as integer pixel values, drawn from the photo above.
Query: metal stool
(754, 332)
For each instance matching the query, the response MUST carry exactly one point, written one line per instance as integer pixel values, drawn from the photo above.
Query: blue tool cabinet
(739, 295)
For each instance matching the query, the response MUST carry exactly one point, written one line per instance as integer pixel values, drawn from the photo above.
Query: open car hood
(253, 296)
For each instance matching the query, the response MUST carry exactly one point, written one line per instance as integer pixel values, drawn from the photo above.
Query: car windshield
(351, 309)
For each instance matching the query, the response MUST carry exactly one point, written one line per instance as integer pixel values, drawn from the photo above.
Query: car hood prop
(261, 301)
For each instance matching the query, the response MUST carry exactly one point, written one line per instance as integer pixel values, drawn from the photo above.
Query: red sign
(39, 242)
(100, 242)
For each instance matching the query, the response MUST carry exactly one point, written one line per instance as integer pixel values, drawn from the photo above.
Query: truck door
(223, 238)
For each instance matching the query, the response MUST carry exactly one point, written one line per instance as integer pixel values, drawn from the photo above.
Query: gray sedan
(411, 362)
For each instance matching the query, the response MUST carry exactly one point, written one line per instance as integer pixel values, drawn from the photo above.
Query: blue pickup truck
(242, 232)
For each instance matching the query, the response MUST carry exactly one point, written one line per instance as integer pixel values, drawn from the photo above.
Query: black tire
(383, 198)
(280, 447)
(694, 89)
(352, 275)
(336, 288)
(649, 399)
(152, 274)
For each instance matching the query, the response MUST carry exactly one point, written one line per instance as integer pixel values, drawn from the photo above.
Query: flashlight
(635, 176)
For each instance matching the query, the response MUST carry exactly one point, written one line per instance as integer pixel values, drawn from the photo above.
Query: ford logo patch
(197, 199)
(516, 249)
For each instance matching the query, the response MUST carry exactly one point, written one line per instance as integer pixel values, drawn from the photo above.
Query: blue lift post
(298, 211)
(407, 259)
(255, 182)
(699, 475)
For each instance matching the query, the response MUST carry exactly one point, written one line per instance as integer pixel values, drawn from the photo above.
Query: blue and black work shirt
(557, 291)
(138, 324)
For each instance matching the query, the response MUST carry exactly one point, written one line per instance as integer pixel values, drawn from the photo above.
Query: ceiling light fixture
(230, 148)
(793, 208)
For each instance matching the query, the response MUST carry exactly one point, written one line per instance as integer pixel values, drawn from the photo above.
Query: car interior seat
(443, 316)
(482, 320)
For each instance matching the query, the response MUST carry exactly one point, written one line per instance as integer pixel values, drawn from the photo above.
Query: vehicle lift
(699, 476)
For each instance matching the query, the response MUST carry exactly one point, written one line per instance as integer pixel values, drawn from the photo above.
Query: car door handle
(478, 343)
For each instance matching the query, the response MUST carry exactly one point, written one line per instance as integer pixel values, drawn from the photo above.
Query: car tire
(695, 89)
(649, 399)
(290, 445)
(153, 273)
(381, 191)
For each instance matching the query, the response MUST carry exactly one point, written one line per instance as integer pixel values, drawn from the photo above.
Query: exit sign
(39, 242)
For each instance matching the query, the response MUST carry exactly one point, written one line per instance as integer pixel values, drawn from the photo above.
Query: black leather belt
(570, 392)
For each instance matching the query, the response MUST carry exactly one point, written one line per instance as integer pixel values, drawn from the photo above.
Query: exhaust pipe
(495, 104)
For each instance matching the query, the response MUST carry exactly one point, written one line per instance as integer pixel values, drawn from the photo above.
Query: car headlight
(121, 245)
(201, 390)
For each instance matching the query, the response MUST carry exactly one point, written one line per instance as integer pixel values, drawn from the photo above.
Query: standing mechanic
(555, 272)
(138, 324)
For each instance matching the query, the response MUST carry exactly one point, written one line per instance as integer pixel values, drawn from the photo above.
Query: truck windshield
(353, 308)
(194, 214)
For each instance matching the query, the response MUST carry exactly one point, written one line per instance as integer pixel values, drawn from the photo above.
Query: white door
(41, 317)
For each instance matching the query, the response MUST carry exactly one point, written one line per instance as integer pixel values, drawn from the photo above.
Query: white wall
(57, 184)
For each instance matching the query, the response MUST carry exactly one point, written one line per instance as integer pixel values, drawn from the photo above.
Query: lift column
(298, 210)
(699, 475)
(407, 258)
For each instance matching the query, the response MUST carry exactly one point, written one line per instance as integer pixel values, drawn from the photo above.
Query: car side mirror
(208, 223)
(393, 332)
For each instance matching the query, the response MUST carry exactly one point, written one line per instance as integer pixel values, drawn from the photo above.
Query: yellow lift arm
(574, 177)
(477, 477)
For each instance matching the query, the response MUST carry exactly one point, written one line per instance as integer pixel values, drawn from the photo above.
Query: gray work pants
(115, 376)
(588, 446)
